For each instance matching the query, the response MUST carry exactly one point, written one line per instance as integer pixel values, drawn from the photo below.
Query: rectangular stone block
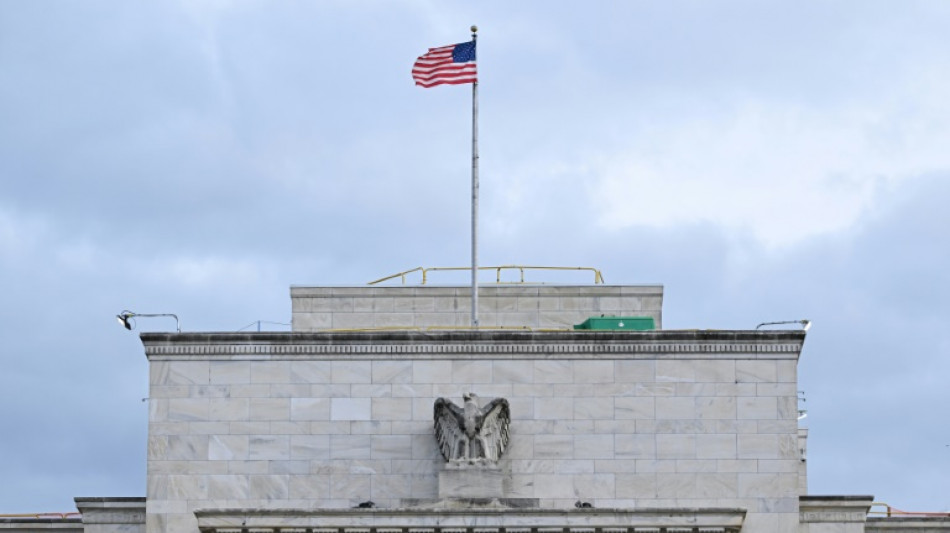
(594, 372)
(635, 446)
(737, 465)
(350, 409)
(558, 320)
(778, 465)
(389, 447)
(553, 466)
(272, 409)
(270, 372)
(183, 409)
(310, 372)
(635, 407)
(760, 407)
(656, 465)
(471, 372)
(593, 446)
(309, 487)
(352, 488)
(775, 389)
(471, 483)
(390, 372)
(553, 408)
(676, 486)
(208, 428)
(268, 487)
(594, 485)
(685, 466)
(715, 371)
(435, 319)
(230, 372)
(676, 446)
(635, 371)
(593, 408)
(435, 371)
(753, 371)
(553, 446)
(351, 372)
(350, 447)
(187, 447)
(675, 371)
(353, 320)
(309, 409)
(773, 485)
(228, 487)
(787, 407)
(787, 371)
(694, 389)
(229, 409)
(268, 447)
(228, 447)
(249, 428)
(736, 389)
(676, 407)
(372, 427)
(638, 486)
(760, 446)
(181, 373)
(254, 390)
(516, 319)
(310, 447)
(716, 446)
(512, 372)
(553, 371)
(720, 486)
(311, 321)
(391, 408)
(716, 407)
(392, 320)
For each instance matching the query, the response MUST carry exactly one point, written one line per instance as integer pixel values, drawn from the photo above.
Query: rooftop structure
(520, 306)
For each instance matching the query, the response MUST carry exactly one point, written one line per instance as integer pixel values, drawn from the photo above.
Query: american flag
(453, 64)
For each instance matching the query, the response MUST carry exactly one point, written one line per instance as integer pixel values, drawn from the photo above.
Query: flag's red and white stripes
(437, 67)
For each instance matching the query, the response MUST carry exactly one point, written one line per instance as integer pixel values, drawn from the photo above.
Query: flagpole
(475, 191)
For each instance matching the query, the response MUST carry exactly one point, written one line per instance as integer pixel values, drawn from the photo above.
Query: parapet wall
(531, 306)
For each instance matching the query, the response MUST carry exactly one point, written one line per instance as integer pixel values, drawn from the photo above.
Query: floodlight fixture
(125, 319)
(805, 323)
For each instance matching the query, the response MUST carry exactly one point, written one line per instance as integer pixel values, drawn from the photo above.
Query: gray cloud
(198, 159)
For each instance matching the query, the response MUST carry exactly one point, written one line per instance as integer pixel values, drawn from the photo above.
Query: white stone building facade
(660, 430)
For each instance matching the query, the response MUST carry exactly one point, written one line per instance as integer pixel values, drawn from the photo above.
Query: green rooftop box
(630, 323)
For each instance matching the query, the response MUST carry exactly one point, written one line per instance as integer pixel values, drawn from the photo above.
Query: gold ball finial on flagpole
(474, 28)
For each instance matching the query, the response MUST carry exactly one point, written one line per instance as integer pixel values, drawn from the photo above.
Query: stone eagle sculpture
(472, 434)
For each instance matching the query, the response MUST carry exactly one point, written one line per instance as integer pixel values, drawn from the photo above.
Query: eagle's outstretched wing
(448, 427)
(495, 427)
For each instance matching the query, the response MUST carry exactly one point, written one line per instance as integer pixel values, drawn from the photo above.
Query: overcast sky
(762, 160)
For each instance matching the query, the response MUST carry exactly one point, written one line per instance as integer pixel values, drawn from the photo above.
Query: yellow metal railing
(893, 511)
(454, 328)
(60, 516)
(598, 277)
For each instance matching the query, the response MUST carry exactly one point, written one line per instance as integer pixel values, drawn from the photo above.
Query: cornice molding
(698, 344)
(715, 520)
(462, 351)
(834, 509)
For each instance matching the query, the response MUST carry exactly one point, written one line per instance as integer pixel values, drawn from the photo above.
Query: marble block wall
(521, 305)
(327, 420)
